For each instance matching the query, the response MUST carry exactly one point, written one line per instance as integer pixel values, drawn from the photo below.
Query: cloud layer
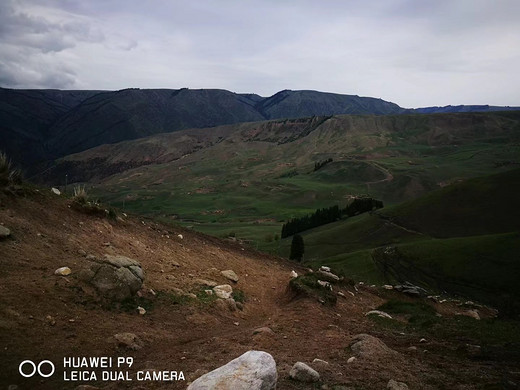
(410, 52)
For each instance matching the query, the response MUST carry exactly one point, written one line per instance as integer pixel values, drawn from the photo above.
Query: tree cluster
(321, 164)
(328, 215)
(361, 205)
(318, 218)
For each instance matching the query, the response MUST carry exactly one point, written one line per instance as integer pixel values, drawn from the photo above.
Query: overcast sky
(412, 52)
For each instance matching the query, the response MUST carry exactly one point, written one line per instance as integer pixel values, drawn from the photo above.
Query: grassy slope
(462, 238)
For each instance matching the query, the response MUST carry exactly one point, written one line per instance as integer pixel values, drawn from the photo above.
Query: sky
(415, 53)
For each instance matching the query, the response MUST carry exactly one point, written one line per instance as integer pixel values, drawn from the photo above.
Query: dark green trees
(297, 248)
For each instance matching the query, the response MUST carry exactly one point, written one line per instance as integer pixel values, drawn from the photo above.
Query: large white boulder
(254, 370)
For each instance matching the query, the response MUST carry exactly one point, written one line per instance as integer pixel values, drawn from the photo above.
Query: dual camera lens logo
(28, 368)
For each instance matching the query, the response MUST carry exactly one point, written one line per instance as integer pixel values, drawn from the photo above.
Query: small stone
(294, 274)
(351, 293)
(320, 362)
(63, 271)
(412, 348)
(180, 236)
(204, 282)
(81, 252)
(50, 320)
(236, 323)
(472, 313)
(264, 330)
(129, 340)
(325, 284)
(231, 275)
(393, 385)
(379, 314)
(423, 340)
(301, 372)
(388, 287)
(141, 310)
(328, 276)
(55, 191)
(4, 232)
(341, 294)
(323, 268)
(351, 360)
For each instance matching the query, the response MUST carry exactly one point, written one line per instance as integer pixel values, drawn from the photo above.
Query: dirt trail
(43, 316)
(388, 174)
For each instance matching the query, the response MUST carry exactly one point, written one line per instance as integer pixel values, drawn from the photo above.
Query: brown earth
(44, 316)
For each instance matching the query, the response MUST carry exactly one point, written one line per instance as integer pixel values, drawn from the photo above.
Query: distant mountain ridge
(41, 125)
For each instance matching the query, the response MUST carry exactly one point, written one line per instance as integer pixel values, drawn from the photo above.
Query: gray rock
(254, 370)
(128, 340)
(328, 276)
(55, 191)
(231, 275)
(115, 277)
(264, 330)
(303, 373)
(4, 232)
(366, 346)
(393, 385)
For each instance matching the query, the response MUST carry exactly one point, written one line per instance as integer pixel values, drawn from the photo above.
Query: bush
(8, 174)
(80, 195)
(307, 285)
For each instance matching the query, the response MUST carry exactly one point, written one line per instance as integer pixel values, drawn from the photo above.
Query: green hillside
(463, 239)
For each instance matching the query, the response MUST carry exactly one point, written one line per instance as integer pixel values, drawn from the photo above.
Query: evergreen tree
(297, 248)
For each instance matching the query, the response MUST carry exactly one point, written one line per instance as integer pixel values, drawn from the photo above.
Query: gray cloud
(414, 53)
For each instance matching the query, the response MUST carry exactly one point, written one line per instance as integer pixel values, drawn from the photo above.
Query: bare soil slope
(44, 316)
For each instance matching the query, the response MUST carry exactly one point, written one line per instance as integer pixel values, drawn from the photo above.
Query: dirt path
(388, 174)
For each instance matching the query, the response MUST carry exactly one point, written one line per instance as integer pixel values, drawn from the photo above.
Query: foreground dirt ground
(49, 317)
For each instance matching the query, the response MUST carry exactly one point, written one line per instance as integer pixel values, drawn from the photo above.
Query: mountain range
(38, 126)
